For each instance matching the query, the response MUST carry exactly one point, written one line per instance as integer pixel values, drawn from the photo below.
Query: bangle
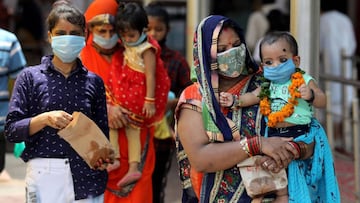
(311, 100)
(149, 100)
(254, 144)
(251, 146)
(244, 146)
(303, 149)
(295, 146)
(232, 106)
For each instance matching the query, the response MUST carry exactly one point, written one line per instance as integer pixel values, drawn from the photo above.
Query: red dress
(129, 84)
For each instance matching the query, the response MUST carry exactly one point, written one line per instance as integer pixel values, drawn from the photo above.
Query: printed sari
(311, 180)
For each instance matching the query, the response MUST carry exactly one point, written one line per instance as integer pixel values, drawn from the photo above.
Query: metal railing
(349, 117)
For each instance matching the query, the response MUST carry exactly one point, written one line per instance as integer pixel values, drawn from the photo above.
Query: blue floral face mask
(232, 62)
(67, 47)
(104, 42)
(281, 73)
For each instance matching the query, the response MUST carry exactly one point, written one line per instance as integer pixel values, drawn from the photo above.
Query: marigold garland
(287, 110)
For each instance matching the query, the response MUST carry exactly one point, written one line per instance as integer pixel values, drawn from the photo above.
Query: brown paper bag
(259, 182)
(86, 138)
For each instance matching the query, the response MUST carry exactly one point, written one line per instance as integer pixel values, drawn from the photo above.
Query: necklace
(288, 109)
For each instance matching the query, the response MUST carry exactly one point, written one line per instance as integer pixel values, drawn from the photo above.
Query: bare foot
(129, 178)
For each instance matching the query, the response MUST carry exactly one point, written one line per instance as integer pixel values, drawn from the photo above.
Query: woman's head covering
(205, 64)
(101, 11)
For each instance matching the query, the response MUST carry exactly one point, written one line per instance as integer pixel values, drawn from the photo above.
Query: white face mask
(106, 43)
(67, 47)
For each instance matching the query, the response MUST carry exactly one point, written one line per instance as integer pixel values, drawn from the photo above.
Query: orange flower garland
(287, 110)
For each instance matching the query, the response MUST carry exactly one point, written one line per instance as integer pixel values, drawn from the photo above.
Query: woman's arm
(205, 156)
(210, 157)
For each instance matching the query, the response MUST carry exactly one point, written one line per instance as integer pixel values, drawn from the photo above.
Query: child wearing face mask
(286, 96)
(144, 81)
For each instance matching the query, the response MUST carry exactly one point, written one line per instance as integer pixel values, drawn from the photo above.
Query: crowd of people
(112, 64)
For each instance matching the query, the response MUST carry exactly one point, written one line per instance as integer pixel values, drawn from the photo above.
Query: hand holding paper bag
(86, 138)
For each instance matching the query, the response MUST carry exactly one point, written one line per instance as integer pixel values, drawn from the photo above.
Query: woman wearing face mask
(213, 147)
(43, 100)
(103, 50)
(102, 43)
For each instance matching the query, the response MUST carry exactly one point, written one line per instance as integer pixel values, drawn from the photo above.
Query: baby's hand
(226, 99)
(305, 92)
(149, 109)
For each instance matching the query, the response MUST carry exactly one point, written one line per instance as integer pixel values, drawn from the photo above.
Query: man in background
(12, 61)
(337, 39)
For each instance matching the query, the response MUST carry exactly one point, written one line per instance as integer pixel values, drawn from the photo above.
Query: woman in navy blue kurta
(43, 100)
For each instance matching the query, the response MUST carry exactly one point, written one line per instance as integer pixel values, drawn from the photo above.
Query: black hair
(275, 36)
(67, 12)
(131, 16)
(250, 64)
(155, 9)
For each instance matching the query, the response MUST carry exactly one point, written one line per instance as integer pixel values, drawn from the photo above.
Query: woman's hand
(279, 150)
(117, 116)
(226, 99)
(268, 164)
(103, 163)
(58, 119)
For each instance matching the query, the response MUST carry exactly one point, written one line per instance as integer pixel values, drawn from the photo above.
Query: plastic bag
(18, 149)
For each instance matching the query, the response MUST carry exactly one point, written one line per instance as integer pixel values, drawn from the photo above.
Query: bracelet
(244, 146)
(232, 106)
(251, 146)
(149, 100)
(303, 149)
(312, 98)
(295, 146)
(255, 145)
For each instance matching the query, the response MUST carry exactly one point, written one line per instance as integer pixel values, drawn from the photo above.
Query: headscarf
(99, 7)
(205, 64)
(101, 11)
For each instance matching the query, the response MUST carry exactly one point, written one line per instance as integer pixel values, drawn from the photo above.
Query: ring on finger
(265, 164)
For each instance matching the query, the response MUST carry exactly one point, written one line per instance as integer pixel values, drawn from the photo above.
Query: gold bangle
(244, 146)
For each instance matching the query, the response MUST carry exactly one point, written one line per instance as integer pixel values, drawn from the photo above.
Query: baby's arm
(313, 94)
(244, 100)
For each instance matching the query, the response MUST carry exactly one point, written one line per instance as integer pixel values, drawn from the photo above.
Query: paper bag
(86, 138)
(259, 182)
